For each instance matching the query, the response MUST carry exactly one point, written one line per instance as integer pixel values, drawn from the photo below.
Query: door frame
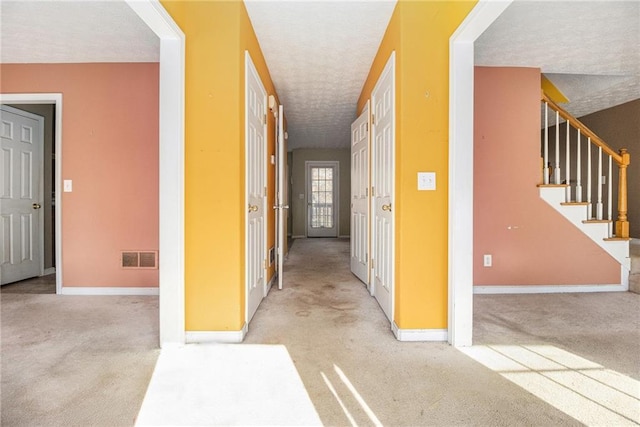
(56, 100)
(461, 110)
(249, 67)
(308, 164)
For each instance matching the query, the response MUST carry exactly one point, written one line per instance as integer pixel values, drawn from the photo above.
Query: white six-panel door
(383, 188)
(21, 242)
(360, 196)
(255, 167)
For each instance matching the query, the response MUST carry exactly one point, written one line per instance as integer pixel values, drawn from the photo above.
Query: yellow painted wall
(419, 32)
(217, 34)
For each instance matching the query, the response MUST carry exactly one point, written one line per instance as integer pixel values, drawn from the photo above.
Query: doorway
(322, 184)
(47, 108)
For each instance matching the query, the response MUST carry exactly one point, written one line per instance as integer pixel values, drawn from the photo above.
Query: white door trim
(56, 99)
(461, 109)
(171, 176)
(336, 190)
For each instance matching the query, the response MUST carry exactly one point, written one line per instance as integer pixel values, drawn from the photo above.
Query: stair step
(552, 185)
(596, 221)
(574, 203)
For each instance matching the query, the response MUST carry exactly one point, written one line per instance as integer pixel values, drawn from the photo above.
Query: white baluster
(578, 173)
(610, 197)
(567, 167)
(590, 205)
(599, 204)
(545, 178)
(557, 170)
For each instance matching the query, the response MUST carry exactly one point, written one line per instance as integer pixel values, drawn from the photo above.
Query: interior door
(21, 241)
(255, 167)
(382, 191)
(322, 199)
(360, 196)
(281, 205)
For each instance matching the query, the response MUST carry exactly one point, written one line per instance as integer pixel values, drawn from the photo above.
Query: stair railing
(552, 174)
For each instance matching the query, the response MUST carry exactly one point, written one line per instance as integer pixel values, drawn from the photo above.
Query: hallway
(338, 337)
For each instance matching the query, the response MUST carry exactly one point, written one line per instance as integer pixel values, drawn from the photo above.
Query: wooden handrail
(622, 158)
(595, 139)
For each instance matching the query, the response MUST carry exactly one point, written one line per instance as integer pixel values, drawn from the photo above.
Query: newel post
(622, 224)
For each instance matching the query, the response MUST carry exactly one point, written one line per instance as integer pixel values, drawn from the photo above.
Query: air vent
(140, 259)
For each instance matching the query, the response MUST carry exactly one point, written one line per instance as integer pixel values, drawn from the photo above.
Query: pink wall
(530, 242)
(110, 151)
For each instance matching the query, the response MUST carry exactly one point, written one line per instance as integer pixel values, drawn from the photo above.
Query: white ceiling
(74, 32)
(589, 49)
(319, 52)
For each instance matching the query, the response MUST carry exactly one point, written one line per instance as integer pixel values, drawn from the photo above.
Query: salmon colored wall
(530, 242)
(217, 34)
(419, 32)
(110, 151)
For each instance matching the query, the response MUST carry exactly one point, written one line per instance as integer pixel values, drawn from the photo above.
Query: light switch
(68, 186)
(426, 181)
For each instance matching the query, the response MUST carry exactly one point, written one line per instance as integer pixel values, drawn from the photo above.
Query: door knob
(36, 206)
(253, 208)
(386, 207)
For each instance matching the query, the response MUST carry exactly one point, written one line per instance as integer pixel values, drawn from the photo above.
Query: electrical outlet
(488, 261)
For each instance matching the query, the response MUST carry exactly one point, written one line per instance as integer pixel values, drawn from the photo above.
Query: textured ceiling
(319, 54)
(589, 50)
(74, 31)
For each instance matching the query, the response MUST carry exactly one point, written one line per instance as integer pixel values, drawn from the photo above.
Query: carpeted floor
(87, 360)
(74, 360)
(334, 330)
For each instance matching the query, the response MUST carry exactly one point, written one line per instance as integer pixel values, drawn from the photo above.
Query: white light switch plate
(68, 186)
(426, 181)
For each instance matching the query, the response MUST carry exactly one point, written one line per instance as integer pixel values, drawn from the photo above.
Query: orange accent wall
(110, 151)
(217, 35)
(531, 243)
(419, 32)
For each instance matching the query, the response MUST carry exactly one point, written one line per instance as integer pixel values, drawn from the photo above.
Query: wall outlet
(488, 261)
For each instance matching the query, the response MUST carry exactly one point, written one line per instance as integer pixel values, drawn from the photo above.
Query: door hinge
(367, 127)
(265, 119)
(366, 191)
(373, 119)
(366, 257)
(373, 191)
(372, 264)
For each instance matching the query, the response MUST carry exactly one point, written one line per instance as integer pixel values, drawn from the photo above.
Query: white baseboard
(48, 271)
(221, 337)
(419, 334)
(77, 290)
(547, 289)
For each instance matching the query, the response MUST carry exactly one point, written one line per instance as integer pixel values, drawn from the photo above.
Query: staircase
(579, 185)
(597, 230)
